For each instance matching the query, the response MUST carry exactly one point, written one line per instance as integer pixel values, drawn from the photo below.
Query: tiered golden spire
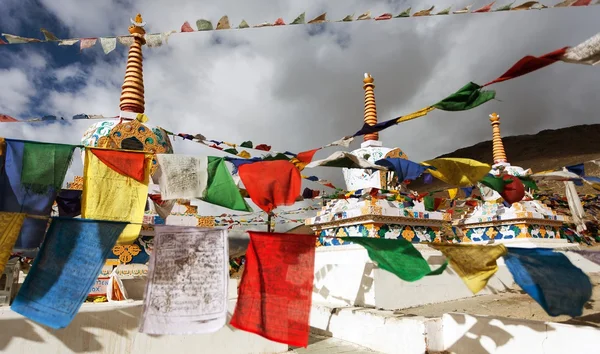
(132, 91)
(498, 146)
(370, 107)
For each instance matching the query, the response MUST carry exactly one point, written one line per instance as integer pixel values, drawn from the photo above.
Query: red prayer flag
(131, 164)
(279, 22)
(582, 3)
(271, 183)
(529, 64)
(486, 8)
(186, 27)
(514, 191)
(2, 42)
(384, 17)
(275, 292)
(263, 147)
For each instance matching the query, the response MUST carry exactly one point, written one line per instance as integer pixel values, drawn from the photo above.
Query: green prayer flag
(247, 144)
(45, 166)
(243, 24)
(529, 183)
(405, 13)
(505, 7)
(495, 183)
(397, 256)
(300, 20)
(429, 203)
(204, 25)
(468, 97)
(231, 151)
(278, 156)
(221, 189)
(348, 18)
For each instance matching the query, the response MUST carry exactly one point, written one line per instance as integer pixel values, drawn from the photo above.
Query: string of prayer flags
(221, 189)
(182, 176)
(474, 264)
(45, 166)
(15, 198)
(344, 159)
(550, 278)
(397, 256)
(275, 293)
(186, 290)
(468, 97)
(403, 168)
(271, 183)
(65, 269)
(10, 227)
(457, 171)
(116, 188)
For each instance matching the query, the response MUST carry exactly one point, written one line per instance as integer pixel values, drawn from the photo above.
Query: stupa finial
(370, 117)
(132, 91)
(498, 147)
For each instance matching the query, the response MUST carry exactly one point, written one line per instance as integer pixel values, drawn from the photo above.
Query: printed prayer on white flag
(182, 176)
(186, 290)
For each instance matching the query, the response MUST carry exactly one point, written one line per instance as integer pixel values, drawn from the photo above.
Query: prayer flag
(45, 166)
(550, 279)
(115, 188)
(69, 203)
(186, 27)
(404, 169)
(108, 44)
(299, 20)
(457, 171)
(445, 11)
(64, 271)
(85, 43)
(486, 8)
(529, 64)
(12, 39)
(10, 227)
(204, 25)
(223, 23)
(186, 290)
(14, 197)
(182, 176)
(243, 24)
(474, 264)
(48, 36)
(468, 97)
(304, 158)
(397, 256)
(592, 256)
(221, 189)
(275, 292)
(319, 19)
(426, 12)
(587, 52)
(271, 183)
(505, 7)
(405, 13)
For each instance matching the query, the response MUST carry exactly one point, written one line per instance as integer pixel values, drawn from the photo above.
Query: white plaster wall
(345, 276)
(113, 328)
(482, 335)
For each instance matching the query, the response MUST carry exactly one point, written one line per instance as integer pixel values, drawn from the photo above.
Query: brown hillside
(546, 150)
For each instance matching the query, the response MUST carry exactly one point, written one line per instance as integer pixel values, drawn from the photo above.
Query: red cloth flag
(275, 293)
(263, 147)
(529, 64)
(130, 164)
(486, 8)
(186, 27)
(271, 183)
(513, 191)
(304, 158)
(582, 3)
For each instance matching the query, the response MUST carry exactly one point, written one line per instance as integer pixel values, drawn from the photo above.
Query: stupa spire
(370, 117)
(498, 147)
(132, 91)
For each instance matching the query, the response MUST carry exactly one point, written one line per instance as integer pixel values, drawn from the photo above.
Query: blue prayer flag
(550, 279)
(65, 269)
(404, 169)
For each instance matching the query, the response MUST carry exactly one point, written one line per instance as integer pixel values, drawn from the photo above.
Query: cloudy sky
(300, 87)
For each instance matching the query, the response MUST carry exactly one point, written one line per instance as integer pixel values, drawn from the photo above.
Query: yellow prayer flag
(10, 228)
(2, 147)
(109, 195)
(475, 264)
(457, 171)
(244, 154)
(417, 114)
(452, 192)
